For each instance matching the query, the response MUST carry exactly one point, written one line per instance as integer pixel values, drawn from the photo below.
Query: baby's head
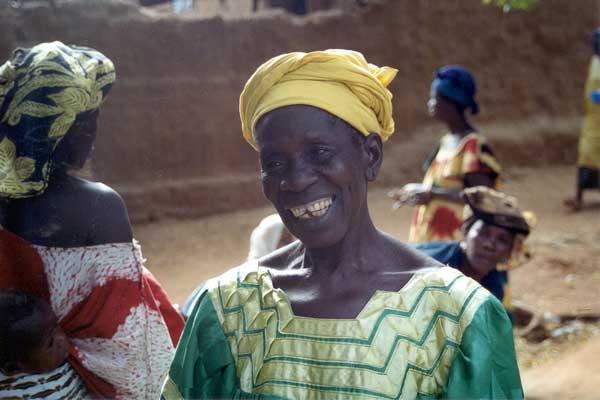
(31, 341)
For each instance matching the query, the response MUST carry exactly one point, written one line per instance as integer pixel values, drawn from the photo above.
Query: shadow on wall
(170, 135)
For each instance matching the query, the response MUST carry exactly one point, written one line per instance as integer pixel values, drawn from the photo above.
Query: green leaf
(508, 5)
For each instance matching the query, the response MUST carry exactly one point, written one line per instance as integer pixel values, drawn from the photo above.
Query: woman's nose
(297, 177)
(489, 244)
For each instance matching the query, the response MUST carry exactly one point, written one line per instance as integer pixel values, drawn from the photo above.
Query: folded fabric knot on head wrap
(457, 84)
(42, 91)
(340, 82)
(501, 210)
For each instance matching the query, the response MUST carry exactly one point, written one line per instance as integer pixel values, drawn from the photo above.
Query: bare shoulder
(110, 220)
(405, 256)
(284, 258)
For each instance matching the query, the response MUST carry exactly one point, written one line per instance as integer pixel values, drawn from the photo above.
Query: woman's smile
(314, 209)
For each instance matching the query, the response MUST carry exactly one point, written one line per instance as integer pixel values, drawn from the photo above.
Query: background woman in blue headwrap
(588, 162)
(461, 159)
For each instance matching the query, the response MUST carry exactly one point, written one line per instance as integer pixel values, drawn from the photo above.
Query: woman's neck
(63, 176)
(459, 126)
(355, 252)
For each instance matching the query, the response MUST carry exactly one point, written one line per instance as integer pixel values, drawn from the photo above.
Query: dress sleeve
(486, 366)
(477, 157)
(203, 366)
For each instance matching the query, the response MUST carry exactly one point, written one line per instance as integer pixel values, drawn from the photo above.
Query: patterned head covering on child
(42, 91)
(457, 84)
(340, 82)
(501, 210)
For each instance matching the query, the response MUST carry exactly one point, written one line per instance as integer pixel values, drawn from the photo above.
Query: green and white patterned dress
(441, 336)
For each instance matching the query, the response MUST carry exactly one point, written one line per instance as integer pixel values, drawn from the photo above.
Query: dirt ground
(562, 278)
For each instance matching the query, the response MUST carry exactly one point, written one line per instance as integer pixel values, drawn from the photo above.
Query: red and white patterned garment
(116, 316)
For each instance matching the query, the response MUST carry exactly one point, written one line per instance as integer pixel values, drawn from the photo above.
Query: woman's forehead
(300, 123)
(295, 113)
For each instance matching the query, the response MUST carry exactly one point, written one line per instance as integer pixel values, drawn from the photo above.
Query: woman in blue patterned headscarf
(462, 159)
(46, 92)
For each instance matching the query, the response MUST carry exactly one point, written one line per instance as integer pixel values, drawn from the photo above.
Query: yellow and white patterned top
(400, 345)
(441, 336)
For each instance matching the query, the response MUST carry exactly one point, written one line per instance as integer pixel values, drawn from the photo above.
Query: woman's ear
(373, 152)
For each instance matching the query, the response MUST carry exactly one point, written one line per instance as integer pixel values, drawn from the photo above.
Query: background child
(31, 344)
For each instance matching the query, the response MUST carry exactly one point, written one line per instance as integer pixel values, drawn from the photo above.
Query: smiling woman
(346, 311)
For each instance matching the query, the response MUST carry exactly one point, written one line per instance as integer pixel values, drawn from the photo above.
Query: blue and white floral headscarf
(42, 91)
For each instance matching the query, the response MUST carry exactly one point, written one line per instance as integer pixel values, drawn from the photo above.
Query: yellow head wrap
(338, 81)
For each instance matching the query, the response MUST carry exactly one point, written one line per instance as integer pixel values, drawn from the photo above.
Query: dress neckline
(285, 305)
(461, 142)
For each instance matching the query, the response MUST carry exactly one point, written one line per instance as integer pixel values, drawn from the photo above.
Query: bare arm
(471, 180)
(415, 194)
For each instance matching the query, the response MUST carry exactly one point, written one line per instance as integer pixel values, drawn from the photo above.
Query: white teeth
(311, 210)
(298, 211)
(319, 213)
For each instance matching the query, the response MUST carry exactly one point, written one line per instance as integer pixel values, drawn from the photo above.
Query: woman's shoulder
(454, 293)
(72, 212)
(447, 278)
(96, 194)
(235, 287)
(254, 273)
(400, 256)
(472, 142)
(109, 220)
(285, 257)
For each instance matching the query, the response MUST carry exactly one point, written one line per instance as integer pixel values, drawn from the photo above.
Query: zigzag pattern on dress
(401, 344)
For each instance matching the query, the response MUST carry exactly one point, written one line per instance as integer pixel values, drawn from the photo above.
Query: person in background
(31, 344)
(268, 236)
(461, 159)
(346, 311)
(494, 232)
(588, 171)
(121, 326)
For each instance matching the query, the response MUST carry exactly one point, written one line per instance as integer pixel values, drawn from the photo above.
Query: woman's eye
(321, 155)
(272, 165)
(505, 241)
